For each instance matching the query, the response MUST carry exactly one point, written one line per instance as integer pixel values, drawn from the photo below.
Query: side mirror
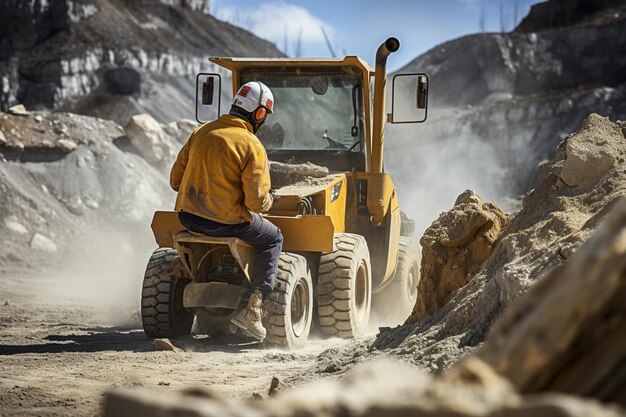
(206, 96)
(409, 99)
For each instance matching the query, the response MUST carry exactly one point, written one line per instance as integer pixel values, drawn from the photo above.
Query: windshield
(316, 109)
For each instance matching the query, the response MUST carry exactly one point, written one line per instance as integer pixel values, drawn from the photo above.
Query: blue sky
(357, 27)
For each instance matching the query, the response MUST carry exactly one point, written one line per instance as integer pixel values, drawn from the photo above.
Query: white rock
(172, 129)
(66, 145)
(75, 205)
(38, 118)
(43, 243)
(186, 128)
(3, 139)
(91, 203)
(147, 136)
(14, 226)
(19, 110)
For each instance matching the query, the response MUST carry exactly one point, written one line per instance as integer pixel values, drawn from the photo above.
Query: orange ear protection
(260, 113)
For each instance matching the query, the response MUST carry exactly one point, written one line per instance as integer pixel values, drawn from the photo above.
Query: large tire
(289, 311)
(344, 288)
(162, 311)
(395, 302)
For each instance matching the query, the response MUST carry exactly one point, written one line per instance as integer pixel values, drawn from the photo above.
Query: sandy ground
(58, 353)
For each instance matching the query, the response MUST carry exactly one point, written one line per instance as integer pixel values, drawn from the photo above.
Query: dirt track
(57, 355)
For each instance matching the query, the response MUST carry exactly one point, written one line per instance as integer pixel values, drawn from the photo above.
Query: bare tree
(483, 19)
(515, 14)
(502, 19)
(298, 45)
(328, 44)
(285, 41)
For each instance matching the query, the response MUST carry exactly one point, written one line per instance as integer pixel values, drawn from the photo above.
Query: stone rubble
(453, 249)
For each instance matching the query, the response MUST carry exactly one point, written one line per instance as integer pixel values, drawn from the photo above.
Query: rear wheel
(394, 303)
(344, 287)
(162, 311)
(289, 311)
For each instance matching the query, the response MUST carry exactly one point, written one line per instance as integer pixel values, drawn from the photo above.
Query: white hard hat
(253, 95)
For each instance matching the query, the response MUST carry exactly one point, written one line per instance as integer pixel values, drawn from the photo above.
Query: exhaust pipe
(380, 88)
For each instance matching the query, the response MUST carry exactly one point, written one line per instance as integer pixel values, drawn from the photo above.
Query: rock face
(453, 249)
(504, 101)
(559, 13)
(67, 55)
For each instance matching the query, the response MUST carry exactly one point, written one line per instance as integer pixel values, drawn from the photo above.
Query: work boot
(249, 319)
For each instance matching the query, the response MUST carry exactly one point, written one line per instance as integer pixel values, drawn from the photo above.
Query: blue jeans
(263, 236)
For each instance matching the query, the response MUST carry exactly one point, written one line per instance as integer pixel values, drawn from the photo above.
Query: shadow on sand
(119, 339)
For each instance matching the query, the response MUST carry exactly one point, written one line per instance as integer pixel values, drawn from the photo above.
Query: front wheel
(162, 310)
(289, 311)
(344, 289)
(394, 304)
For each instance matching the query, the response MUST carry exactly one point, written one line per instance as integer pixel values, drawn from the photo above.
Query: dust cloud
(105, 272)
(430, 172)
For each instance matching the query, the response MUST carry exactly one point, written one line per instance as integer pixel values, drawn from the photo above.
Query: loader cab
(322, 118)
(324, 113)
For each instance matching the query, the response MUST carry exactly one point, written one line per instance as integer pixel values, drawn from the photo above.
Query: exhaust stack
(380, 88)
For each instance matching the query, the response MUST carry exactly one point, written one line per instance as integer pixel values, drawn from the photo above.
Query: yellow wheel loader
(346, 242)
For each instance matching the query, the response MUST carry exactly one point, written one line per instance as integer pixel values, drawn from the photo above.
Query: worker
(222, 178)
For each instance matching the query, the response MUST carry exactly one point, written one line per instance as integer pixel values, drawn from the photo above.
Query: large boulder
(453, 249)
(147, 136)
(589, 154)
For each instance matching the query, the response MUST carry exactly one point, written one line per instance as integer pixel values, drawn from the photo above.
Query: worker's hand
(275, 197)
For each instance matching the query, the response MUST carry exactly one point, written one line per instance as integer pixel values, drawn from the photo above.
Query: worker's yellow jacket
(222, 172)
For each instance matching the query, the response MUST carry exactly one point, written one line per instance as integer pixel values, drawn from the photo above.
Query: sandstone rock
(66, 145)
(18, 110)
(43, 243)
(588, 153)
(146, 135)
(568, 333)
(454, 248)
(622, 125)
(165, 344)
